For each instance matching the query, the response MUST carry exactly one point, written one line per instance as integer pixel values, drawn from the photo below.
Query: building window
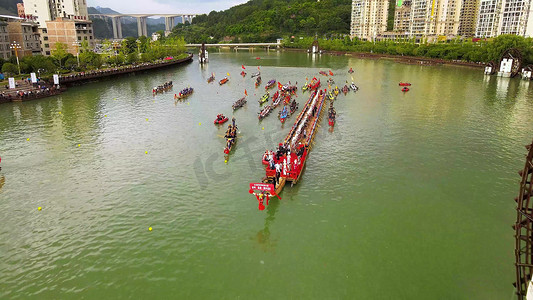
(79, 38)
(47, 45)
(47, 52)
(46, 38)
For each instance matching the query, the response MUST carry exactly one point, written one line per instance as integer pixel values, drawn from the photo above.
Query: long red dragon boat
(288, 162)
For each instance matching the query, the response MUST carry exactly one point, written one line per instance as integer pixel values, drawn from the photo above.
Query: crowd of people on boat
(42, 91)
(162, 88)
(331, 113)
(231, 136)
(282, 161)
(239, 103)
(184, 93)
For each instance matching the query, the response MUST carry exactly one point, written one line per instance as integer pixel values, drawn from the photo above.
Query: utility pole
(15, 46)
(77, 45)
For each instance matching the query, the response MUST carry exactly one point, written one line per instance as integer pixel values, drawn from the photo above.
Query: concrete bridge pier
(187, 18)
(169, 24)
(117, 27)
(141, 26)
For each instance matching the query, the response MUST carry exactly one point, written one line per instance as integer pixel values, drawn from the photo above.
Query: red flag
(243, 67)
(280, 86)
(245, 92)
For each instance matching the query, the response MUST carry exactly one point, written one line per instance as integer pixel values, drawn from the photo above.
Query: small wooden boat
(264, 112)
(405, 89)
(404, 84)
(345, 89)
(293, 107)
(256, 74)
(239, 103)
(264, 99)
(231, 139)
(211, 79)
(221, 119)
(270, 84)
(258, 81)
(283, 114)
(305, 86)
(330, 73)
(243, 74)
(323, 73)
(354, 87)
(162, 88)
(184, 93)
(223, 81)
(336, 91)
(276, 100)
(330, 96)
(331, 116)
(350, 71)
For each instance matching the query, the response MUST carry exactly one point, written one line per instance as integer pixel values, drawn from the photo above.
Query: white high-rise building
(447, 14)
(435, 17)
(70, 16)
(49, 10)
(369, 18)
(514, 17)
(488, 18)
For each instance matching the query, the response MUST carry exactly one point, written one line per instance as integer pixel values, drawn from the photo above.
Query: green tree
(9, 68)
(59, 54)
(71, 63)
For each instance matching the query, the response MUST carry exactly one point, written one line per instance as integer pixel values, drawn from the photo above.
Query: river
(410, 196)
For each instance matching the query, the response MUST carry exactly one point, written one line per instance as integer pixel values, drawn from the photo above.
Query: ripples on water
(410, 192)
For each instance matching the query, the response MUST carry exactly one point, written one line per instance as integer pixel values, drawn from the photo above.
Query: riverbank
(98, 74)
(411, 60)
(26, 91)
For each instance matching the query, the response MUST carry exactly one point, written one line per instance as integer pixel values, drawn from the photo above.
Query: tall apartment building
(69, 32)
(402, 16)
(488, 18)
(446, 15)
(70, 16)
(514, 17)
(369, 18)
(468, 18)
(435, 17)
(420, 18)
(47, 10)
(26, 34)
(5, 51)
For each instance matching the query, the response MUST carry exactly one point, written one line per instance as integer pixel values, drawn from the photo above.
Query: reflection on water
(263, 236)
(2, 181)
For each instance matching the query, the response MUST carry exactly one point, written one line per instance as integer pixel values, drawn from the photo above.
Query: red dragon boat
(288, 162)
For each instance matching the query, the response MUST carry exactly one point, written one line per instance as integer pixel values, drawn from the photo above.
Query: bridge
(237, 45)
(141, 22)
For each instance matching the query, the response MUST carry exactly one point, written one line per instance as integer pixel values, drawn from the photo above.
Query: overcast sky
(166, 6)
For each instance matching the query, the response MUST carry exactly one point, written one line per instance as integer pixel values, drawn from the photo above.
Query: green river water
(409, 197)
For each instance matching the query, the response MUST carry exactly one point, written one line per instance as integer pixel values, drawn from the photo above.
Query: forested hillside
(266, 20)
